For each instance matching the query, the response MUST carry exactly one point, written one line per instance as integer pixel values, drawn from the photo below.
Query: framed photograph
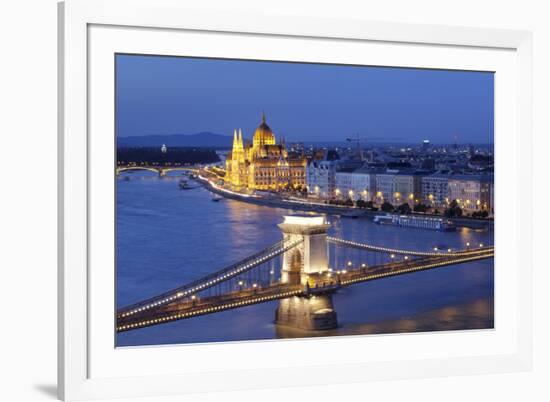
(253, 201)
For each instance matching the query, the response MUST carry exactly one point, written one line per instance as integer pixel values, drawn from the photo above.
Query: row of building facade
(325, 180)
(264, 164)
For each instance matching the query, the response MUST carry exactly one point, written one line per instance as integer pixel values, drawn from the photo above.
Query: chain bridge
(302, 271)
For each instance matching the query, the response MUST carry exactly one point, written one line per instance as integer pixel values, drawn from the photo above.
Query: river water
(167, 237)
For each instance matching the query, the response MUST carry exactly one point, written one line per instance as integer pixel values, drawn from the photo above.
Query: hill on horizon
(209, 139)
(203, 139)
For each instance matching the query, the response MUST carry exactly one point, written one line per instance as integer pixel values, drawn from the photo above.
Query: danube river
(167, 237)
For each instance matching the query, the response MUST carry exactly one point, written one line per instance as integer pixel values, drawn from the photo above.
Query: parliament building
(264, 164)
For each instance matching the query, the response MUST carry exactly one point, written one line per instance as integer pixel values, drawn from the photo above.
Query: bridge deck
(209, 280)
(326, 282)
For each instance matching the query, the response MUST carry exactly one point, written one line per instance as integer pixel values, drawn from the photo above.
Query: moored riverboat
(184, 184)
(419, 222)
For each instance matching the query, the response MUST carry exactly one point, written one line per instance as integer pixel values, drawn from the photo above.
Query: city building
(264, 164)
(435, 190)
(384, 186)
(363, 183)
(472, 192)
(330, 180)
(406, 187)
(343, 182)
(321, 178)
(425, 145)
(428, 164)
(297, 147)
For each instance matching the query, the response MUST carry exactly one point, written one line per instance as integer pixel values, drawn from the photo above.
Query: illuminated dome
(263, 134)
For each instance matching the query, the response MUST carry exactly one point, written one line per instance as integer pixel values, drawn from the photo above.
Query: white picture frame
(82, 342)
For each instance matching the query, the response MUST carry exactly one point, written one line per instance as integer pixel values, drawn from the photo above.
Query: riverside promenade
(343, 211)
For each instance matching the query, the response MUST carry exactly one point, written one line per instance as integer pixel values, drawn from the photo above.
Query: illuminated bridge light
(462, 257)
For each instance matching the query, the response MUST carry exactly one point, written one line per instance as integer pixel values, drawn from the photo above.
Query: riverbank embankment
(343, 211)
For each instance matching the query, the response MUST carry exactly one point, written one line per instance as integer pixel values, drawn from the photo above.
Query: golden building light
(264, 163)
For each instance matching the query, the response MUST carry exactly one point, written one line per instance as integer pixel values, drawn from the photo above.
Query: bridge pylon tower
(301, 264)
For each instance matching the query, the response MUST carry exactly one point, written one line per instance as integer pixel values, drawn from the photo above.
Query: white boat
(419, 222)
(184, 184)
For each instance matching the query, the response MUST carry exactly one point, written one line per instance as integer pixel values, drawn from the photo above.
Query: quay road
(326, 282)
(277, 202)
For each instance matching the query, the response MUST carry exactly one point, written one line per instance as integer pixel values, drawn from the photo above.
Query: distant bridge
(160, 170)
(302, 279)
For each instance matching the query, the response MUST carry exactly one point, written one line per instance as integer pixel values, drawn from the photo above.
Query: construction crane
(358, 141)
(359, 150)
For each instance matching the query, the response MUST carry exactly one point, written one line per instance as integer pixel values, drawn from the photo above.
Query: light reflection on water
(474, 315)
(166, 237)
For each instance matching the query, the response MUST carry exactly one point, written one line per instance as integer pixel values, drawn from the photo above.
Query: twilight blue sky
(303, 102)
